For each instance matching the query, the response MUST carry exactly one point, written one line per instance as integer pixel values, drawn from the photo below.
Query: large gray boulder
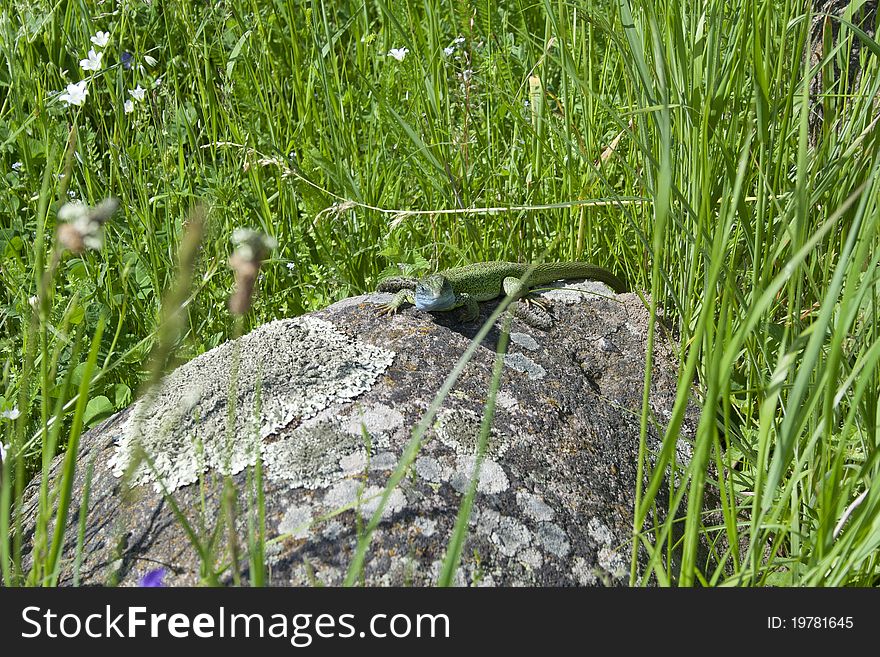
(340, 391)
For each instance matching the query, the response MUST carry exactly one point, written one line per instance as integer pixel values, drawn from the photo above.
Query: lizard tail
(552, 271)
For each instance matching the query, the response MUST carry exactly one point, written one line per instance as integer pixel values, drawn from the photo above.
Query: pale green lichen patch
(524, 340)
(511, 536)
(524, 364)
(429, 469)
(492, 478)
(375, 418)
(333, 530)
(533, 507)
(572, 292)
(342, 493)
(354, 463)
(610, 557)
(352, 493)
(553, 538)
(583, 572)
(384, 461)
(300, 367)
(372, 496)
(311, 457)
(459, 429)
(296, 522)
(531, 557)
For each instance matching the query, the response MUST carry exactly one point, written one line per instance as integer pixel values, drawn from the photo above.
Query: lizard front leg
(471, 307)
(402, 297)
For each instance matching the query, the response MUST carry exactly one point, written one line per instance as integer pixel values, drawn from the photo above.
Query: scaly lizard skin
(483, 281)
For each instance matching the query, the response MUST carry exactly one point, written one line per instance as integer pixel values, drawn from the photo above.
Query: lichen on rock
(298, 366)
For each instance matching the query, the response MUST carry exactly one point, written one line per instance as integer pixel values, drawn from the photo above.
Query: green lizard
(482, 281)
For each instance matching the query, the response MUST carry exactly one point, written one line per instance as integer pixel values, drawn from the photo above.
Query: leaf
(122, 394)
(10, 242)
(76, 270)
(76, 377)
(97, 409)
(233, 56)
(76, 314)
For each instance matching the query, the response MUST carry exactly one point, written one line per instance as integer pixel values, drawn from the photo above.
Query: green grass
(668, 141)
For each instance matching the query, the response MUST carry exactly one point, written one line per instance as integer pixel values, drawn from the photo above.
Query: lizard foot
(386, 310)
(533, 302)
(535, 315)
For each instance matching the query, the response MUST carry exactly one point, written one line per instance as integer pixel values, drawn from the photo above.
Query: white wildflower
(151, 61)
(93, 63)
(11, 415)
(128, 106)
(101, 39)
(138, 93)
(448, 50)
(398, 53)
(76, 93)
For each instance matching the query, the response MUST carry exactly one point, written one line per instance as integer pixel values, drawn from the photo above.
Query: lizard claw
(536, 302)
(386, 310)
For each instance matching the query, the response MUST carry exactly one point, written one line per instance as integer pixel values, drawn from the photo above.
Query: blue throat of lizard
(434, 292)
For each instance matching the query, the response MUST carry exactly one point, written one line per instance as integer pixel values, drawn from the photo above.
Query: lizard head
(434, 292)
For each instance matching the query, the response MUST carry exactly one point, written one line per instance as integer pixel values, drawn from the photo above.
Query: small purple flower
(153, 578)
(126, 60)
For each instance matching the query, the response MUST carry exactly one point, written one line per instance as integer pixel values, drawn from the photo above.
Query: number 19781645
(810, 623)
